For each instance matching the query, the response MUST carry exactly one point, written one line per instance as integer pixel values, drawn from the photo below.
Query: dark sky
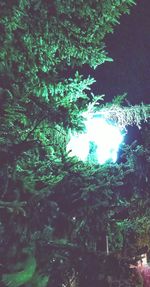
(129, 46)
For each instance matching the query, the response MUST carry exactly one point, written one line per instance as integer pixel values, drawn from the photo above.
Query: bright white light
(100, 142)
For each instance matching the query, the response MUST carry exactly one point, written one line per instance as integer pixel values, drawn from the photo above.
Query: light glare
(99, 143)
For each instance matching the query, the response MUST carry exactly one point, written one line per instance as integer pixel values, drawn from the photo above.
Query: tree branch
(14, 206)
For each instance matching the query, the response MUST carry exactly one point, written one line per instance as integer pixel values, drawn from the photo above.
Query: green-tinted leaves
(22, 277)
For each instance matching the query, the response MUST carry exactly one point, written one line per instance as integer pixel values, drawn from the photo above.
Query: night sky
(129, 46)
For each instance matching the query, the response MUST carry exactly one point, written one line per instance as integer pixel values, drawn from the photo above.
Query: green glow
(22, 277)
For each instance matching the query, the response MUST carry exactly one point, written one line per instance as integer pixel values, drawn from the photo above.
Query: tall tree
(55, 210)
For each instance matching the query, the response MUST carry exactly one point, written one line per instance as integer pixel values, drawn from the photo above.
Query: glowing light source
(99, 143)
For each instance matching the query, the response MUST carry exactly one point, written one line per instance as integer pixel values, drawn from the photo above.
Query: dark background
(129, 46)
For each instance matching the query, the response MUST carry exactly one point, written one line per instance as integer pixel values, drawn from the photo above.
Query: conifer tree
(55, 210)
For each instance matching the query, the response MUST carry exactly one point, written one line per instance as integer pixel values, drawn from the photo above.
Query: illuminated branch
(123, 116)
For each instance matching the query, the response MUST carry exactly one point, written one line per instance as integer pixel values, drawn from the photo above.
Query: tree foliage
(55, 210)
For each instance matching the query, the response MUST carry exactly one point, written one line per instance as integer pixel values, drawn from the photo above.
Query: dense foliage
(55, 211)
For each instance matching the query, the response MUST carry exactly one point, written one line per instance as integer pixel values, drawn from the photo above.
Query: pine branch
(124, 116)
(9, 153)
(14, 206)
(34, 128)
